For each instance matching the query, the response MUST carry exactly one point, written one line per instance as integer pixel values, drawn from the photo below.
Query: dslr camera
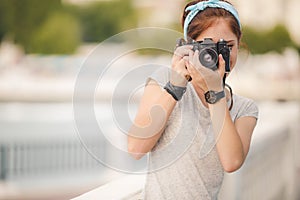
(209, 52)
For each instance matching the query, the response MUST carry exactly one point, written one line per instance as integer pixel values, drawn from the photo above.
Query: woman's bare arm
(154, 110)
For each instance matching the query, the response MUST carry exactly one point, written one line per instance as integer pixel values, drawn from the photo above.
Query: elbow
(135, 155)
(134, 151)
(232, 166)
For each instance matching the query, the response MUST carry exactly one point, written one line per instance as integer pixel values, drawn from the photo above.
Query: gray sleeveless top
(184, 163)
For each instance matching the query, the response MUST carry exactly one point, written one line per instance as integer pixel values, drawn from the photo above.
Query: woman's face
(220, 30)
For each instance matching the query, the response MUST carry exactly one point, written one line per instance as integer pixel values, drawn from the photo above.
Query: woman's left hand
(205, 78)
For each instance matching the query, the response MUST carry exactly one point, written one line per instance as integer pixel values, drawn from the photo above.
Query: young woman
(194, 130)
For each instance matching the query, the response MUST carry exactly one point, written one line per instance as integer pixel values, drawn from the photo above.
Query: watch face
(210, 97)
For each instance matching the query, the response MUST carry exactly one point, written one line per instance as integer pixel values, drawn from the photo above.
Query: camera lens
(208, 58)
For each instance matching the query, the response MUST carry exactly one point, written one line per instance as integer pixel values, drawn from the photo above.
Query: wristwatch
(212, 97)
(175, 91)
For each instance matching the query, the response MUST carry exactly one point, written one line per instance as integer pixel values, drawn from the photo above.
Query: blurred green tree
(20, 19)
(275, 39)
(100, 20)
(48, 26)
(60, 34)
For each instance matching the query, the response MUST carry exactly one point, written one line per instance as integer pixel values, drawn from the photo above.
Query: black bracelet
(175, 91)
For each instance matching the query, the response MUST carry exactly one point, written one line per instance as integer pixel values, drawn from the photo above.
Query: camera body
(209, 52)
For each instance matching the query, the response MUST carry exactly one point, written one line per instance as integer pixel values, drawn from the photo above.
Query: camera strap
(230, 91)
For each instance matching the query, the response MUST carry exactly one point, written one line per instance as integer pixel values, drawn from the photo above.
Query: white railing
(36, 158)
(270, 172)
(42, 169)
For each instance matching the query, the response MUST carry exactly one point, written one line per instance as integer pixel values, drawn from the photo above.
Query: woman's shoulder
(161, 75)
(242, 100)
(243, 106)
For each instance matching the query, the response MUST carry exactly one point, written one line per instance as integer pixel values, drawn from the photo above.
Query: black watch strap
(175, 91)
(212, 97)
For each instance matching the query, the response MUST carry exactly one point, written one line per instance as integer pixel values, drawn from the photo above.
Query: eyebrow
(229, 40)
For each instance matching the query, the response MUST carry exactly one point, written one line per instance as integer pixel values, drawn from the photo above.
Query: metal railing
(35, 159)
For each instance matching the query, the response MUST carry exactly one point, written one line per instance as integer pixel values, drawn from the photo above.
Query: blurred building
(159, 13)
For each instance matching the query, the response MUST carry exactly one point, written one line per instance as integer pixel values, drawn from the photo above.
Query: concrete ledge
(123, 188)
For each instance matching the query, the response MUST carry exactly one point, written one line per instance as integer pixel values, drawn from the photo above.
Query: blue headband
(194, 9)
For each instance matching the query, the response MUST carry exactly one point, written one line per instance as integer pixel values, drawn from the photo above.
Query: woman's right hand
(179, 61)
